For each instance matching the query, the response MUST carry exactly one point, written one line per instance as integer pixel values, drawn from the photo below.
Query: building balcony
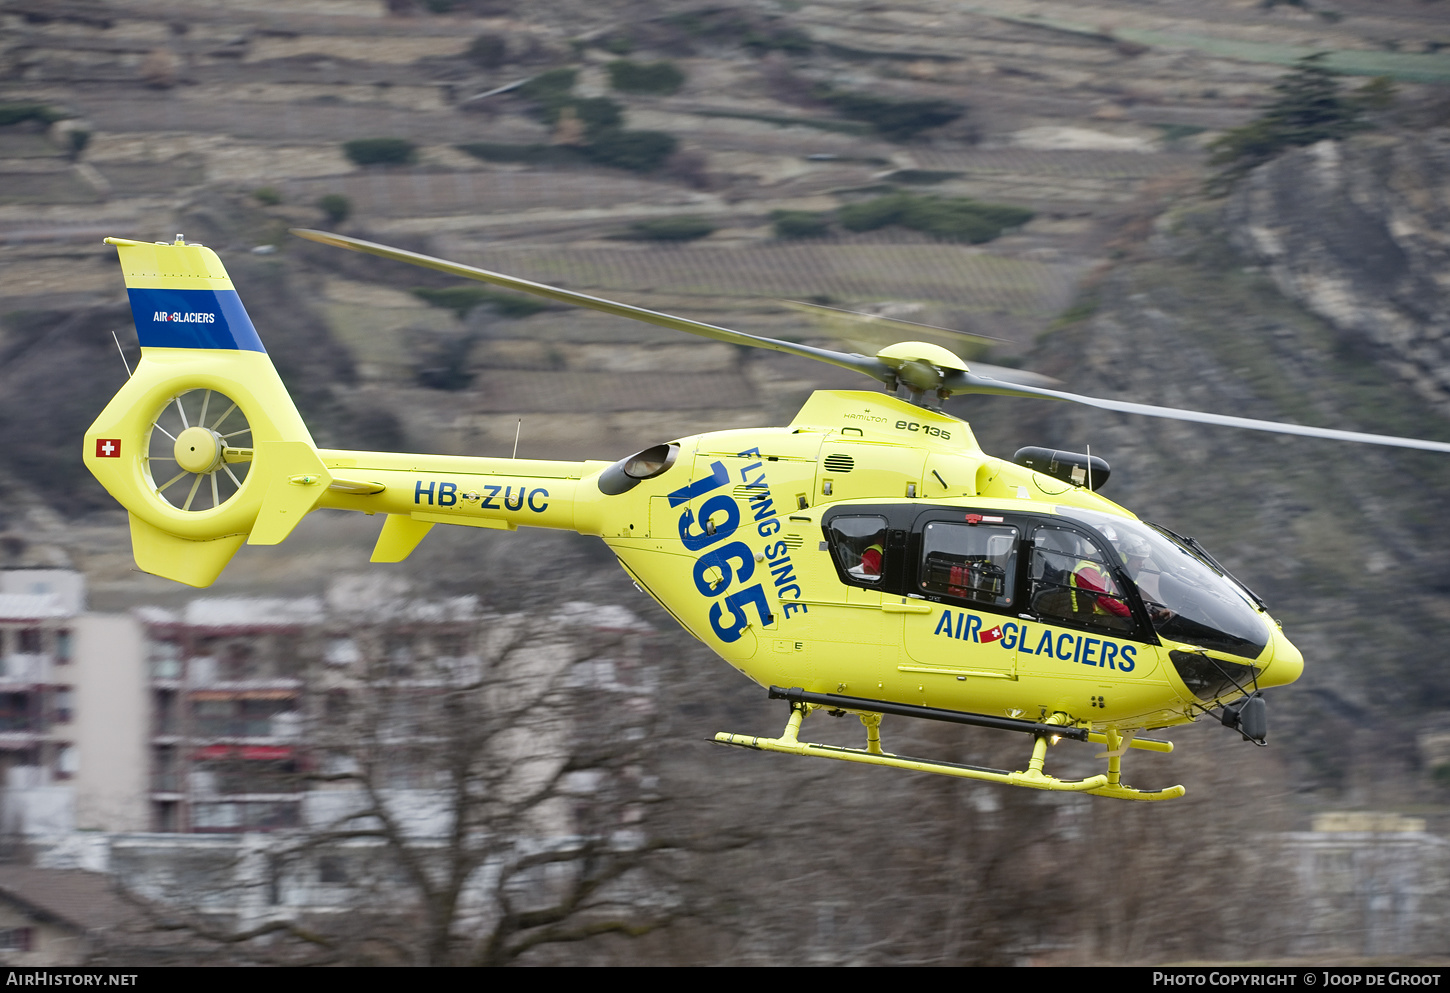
(254, 674)
(257, 812)
(26, 669)
(261, 730)
(256, 689)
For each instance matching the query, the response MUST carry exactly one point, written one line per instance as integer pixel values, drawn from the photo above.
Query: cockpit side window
(969, 562)
(859, 545)
(1073, 583)
(1187, 598)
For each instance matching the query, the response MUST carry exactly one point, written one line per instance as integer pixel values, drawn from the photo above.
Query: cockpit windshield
(1187, 599)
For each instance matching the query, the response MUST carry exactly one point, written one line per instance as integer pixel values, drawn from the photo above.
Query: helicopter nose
(1286, 665)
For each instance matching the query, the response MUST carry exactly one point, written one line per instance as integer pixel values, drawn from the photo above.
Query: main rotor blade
(894, 325)
(967, 382)
(954, 381)
(1014, 377)
(869, 365)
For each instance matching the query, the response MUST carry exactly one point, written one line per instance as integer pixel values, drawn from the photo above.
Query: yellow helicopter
(869, 558)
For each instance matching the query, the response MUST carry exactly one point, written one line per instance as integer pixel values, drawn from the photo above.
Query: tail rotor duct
(198, 450)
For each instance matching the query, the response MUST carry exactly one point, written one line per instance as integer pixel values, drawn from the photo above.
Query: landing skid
(1105, 784)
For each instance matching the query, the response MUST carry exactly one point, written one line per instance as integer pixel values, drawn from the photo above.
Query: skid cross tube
(796, 695)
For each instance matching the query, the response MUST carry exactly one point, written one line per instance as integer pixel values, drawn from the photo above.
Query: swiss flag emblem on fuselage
(108, 448)
(988, 637)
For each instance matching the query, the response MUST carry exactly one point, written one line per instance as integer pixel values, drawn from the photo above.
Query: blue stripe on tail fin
(167, 318)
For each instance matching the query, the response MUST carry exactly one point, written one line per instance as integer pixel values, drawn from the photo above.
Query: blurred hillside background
(1149, 200)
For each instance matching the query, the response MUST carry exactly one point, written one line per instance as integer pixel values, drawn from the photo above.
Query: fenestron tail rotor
(929, 372)
(199, 450)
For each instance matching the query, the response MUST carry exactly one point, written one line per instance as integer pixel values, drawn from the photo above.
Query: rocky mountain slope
(1359, 234)
(1309, 295)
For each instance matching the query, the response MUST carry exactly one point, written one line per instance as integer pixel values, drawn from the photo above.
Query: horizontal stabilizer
(399, 537)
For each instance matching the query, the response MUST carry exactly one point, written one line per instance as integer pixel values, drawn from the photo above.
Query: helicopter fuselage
(985, 586)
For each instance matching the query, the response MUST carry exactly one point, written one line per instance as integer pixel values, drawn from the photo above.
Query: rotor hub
(198, 449)
(921, 367)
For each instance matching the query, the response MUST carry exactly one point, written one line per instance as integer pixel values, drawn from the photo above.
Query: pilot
(1091, 577)
(1137, 555)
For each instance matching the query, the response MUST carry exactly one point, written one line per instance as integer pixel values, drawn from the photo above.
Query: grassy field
(420, 192)
(1415, 67)
(1064, 164)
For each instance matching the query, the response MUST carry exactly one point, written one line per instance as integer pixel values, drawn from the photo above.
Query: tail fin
(203, 443)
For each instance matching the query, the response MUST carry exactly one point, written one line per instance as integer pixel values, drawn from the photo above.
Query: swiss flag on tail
(108, 448)
(987, 637)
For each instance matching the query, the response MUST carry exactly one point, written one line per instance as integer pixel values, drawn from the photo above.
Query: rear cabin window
(859, 544)
(969, 562)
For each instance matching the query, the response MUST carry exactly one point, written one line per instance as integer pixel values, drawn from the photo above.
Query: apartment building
(225, 698)
(248, 698)
(70, 709)
(209, 718)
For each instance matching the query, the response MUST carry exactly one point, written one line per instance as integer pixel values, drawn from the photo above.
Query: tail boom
(475, 492)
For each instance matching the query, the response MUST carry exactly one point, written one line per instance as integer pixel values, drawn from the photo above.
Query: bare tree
(477, 791)
(535, 835)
